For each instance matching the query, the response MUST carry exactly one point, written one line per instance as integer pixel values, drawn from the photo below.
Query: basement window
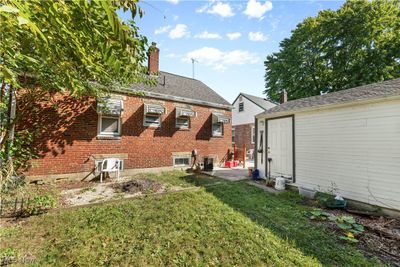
(182, 161)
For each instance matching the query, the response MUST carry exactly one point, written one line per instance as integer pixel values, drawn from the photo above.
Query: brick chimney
(153, 58)
(283, 98)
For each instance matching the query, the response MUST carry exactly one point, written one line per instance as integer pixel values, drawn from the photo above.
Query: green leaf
(8, 9)
(344, 226)
(22, 21)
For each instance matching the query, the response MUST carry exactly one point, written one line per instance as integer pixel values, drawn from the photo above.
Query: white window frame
(98, 162)
(182, 126)
(182, 157)
(253, 134)
(233, 135)
(222, 129)
(108, 134)
(241, 103)
(147, 124)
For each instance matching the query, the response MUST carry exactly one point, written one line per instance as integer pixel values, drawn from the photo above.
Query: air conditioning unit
(280, 183)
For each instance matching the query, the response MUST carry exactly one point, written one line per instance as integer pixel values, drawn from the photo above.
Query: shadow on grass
(283, 215)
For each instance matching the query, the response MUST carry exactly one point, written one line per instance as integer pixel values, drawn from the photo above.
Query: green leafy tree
(357, 44)
(78, 47)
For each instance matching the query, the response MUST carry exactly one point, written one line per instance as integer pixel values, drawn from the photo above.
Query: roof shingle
(360, 93)
(261, 102)
(169, 84)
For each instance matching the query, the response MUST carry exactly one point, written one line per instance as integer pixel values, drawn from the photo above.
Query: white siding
(357, 148)
(246, 116)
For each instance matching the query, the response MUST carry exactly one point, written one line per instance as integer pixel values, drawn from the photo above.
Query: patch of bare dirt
(138, 185)
(380, 239)
(74, 195)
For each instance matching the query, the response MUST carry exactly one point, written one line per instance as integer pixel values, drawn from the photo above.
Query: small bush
(39, 204)
(347, 224)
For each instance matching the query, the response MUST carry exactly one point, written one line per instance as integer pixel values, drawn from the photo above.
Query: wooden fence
(13, 208)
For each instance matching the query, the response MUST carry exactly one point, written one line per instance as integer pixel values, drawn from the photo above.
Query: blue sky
(229, 39)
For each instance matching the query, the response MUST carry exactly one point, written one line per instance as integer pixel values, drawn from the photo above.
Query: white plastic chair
(110, 165)
(250, 154)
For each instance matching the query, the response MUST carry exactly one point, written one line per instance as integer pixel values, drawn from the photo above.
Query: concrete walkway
(232, 174)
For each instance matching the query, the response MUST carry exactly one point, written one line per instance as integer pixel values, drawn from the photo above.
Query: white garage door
(280, 147)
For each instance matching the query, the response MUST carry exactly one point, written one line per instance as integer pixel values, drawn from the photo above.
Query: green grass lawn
(222, 224)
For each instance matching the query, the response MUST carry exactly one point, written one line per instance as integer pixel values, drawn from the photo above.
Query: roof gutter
(325, 107)
(127, 90)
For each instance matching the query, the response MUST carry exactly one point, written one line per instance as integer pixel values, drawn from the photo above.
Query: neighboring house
(245, 108)
(156, 131)
(349, 139)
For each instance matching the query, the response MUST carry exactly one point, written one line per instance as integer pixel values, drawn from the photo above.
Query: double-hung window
(109, 112)
(218, 129)
(183, 115)
(218, 120)
(241, 106)
(152, 115)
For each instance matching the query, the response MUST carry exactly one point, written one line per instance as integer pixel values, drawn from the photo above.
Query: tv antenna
(193, 61)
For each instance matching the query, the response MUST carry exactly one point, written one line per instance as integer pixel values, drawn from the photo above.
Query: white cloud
(171, 55)
(217, 8)
(233, 35)
(257, 37)
(162, 29)
(221, 60)
(208, 35)
(203, 8)
(256, 9)
(175, 17)
(173, 1)
(179, 31)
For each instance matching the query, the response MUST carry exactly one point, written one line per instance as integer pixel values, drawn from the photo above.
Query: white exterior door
(280, 147)
(261, 160)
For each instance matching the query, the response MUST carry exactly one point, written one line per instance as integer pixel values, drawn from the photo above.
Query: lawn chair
(110, 165)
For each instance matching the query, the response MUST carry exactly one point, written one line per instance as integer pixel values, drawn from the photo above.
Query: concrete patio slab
(265, 188)
(233, 175)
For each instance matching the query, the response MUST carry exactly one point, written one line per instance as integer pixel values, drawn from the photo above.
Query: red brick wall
(243, 135)
(153, 59)
(66, 135)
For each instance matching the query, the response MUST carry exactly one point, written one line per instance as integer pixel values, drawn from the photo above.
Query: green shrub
(39, 204)
(347, 224)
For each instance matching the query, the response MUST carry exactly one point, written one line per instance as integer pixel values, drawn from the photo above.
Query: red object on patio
(231, 164)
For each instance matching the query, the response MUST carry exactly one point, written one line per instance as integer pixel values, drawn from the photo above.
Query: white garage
(348, 139)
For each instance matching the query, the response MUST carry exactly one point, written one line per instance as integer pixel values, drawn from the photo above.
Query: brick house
(153, 131)
(245, 108)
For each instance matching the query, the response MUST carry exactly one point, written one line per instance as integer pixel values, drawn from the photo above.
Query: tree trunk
(11, 121)
(2, 93)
